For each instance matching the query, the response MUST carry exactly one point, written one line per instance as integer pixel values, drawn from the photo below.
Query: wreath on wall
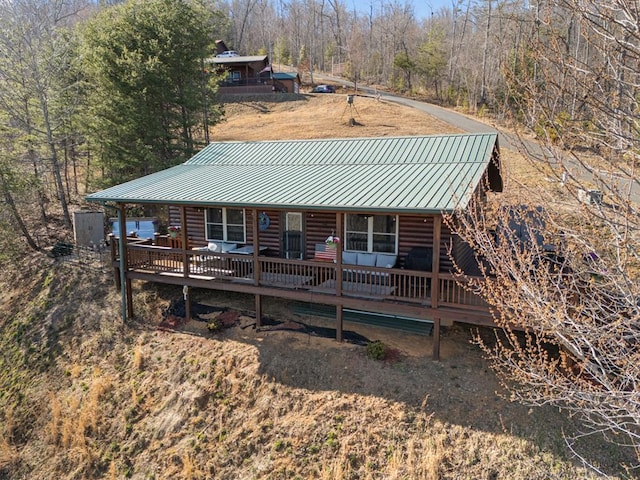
(264, 221)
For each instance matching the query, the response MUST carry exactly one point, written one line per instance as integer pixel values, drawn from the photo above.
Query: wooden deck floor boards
(368, 290)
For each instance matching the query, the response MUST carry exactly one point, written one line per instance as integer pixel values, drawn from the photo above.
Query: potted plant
(332, 241)
(173, 231)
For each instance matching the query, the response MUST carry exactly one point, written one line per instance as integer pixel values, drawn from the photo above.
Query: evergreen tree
(148, 95)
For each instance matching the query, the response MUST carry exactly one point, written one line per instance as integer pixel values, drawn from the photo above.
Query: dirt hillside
(84, 395)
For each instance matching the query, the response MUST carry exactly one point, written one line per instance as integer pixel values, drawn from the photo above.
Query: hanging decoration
(332, 241)
(263, 221)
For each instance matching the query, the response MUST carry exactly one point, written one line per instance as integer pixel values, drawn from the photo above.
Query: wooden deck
(379, 289)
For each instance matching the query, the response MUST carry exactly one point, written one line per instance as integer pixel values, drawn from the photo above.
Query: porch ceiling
(429, 174)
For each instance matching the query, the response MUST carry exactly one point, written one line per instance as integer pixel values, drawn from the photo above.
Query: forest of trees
(461, 55)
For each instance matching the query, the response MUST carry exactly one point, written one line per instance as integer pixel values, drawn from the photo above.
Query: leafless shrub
(566, 292)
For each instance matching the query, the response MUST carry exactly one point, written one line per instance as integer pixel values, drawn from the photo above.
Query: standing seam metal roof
(426, 174)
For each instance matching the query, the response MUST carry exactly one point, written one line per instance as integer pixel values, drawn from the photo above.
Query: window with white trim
(371, 233)
(225, 224)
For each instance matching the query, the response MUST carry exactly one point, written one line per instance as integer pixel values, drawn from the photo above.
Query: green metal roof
(422, 174)
(284, 76)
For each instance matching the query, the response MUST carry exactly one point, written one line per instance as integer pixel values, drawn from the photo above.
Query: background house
(244, 74)
(252, 74)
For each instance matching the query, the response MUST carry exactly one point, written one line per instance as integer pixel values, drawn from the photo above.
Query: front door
(292, 241)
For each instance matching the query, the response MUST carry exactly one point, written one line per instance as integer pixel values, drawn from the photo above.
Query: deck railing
(155, 259)
(454, 294)
(393, 284)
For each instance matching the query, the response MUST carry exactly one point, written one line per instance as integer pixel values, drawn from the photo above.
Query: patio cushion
(228, 247)
(367, 259)
(385, 261)
(349, 258)
(221, 247)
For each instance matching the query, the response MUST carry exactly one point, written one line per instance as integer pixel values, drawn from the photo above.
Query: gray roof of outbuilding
(422, 174)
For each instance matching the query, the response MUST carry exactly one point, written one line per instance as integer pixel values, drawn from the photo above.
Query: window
(225, 224)
(294, 221)
(371, 233)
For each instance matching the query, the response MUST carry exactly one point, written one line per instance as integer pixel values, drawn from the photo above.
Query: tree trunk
(57, 174)
(42, 198)
(16, 214)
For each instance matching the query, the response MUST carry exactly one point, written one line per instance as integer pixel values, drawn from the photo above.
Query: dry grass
(8, 452)
(247, 404)
(138, 358)
(54, 422)
(323, 116)
(188, 468)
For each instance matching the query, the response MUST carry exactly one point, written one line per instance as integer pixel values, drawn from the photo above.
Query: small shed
(287, 82)
(88, 228)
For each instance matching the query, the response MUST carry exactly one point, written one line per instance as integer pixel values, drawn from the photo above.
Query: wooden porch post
(435, 282)
(184, 240)
(114, 247)
(129, 289)
(436, 338)
(435, 264)
(339, 308)
(258, 310)
(125, 283)
(255, 224)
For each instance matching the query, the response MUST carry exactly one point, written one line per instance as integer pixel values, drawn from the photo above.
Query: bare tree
(13, 185)
(563, 279)
(36, 57)
(241, 15)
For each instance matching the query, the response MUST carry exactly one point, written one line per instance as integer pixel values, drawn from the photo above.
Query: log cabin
(353, 223)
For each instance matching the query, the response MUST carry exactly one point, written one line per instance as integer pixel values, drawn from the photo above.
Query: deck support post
(435, 282)
(129, 289)
(339, 229)
(114, 247)
(255, 227)
(125, 283)
(186, 268)
(258, 310)
(186, 292)
(436, 338)
(184, 239)
(435, 264)
(339, 307)
(339, 322)
(255, 224)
